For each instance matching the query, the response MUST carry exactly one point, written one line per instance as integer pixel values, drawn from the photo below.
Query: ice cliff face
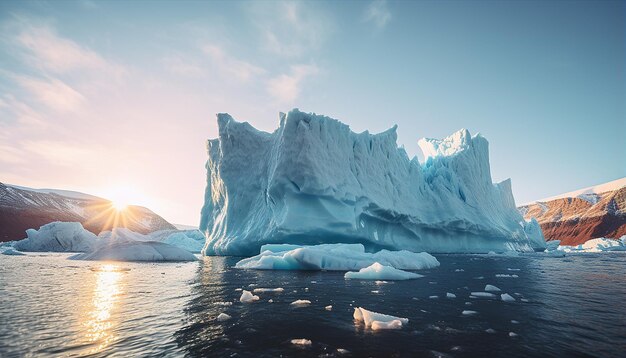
(315, 181)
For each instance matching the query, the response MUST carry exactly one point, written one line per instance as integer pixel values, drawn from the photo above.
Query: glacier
(314, 181)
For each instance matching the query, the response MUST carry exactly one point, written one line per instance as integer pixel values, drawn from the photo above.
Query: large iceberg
(314, 181)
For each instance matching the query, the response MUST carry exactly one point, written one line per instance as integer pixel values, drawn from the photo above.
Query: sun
(119, 205)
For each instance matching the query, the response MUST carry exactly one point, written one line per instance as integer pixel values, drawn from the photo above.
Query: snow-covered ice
(279, 289)
(338, 257)
(377, 271)
(315, 181)
(137, 251)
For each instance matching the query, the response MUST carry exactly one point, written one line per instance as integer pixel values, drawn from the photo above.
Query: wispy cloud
(231, 66)
(378, 14)
(292, 28)
(184, 67)
(52, 92)
(286, 87)
(46, 50)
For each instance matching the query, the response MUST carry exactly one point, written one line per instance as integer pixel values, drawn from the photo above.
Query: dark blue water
(565, 307)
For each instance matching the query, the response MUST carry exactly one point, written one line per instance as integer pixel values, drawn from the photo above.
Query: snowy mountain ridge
(24, 208)
(315, 181)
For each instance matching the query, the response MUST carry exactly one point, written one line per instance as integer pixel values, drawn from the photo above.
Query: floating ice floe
(334, 257)
(482, 295)
(11, 252)
(450, 295)
(279, 289)
(503, 275)
(328, 308)
(377, 271)
(300, 303)
(247, 297)
(137, 251)
(491, 288)
(507, 298)
(378, 321)
(469, 313)
(301, 342)
(223, 317)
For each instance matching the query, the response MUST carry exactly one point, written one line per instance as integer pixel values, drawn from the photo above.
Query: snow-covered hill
(24, 208)
(314, 181)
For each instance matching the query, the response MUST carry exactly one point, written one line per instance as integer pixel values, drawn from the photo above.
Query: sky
(117, 99)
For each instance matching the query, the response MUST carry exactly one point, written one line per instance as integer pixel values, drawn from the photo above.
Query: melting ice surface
(569, 306)
(314, 181)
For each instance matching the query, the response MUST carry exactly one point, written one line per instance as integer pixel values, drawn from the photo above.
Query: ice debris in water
(314, 179)
(492, 288)
(502, 275)
(337, 257)
(468, 313)
(507, 298)
(433, 297)
(248, 297)
(279, 289)
(301, 342)
(223, 303)
(377, 271)
(300, 303)
(223, 317)
(328, 308)
(512, 334)
(450, 295)
(482, 295)
(490, 330)
(378, 321)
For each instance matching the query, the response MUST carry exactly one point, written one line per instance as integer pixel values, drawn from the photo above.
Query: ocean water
(565, 307)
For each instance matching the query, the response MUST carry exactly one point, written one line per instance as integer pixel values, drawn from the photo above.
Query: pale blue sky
(117, 98)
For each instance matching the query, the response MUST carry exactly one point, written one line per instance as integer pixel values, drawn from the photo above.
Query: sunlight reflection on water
(105, 295)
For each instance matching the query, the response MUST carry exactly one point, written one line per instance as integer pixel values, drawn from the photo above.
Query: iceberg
(137, 251)
(335, 257)
(314, 181)
(381, 272)
(58, 236)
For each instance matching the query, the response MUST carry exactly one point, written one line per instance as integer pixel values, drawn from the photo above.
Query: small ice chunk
(433, 297)
(328, 308)
(514, 321)
(375, 291)
(479, 278)
(502, 275)
(524, 300)
(512, 334)
(306, 289)
(223, 317)
(379, 282)
(342, 351)
(378, 325)
(459, 270)
(507, 298)
(248, 297)
(279, 289)
(513, 269)
(301, 342)
(369, 317)
(300, 303)
(376, 271)
(270, 301)
(450, 295)
(238, 289)
(468, 313)
(11, 252)
(491, 288)
(483, 294)
(490, 330)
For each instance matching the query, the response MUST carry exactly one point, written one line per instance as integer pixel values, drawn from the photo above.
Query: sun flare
(119, 205)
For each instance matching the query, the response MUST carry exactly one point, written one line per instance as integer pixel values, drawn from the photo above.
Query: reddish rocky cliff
(581, 217)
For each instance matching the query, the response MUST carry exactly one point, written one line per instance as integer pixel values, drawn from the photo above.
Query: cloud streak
(378, 14)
